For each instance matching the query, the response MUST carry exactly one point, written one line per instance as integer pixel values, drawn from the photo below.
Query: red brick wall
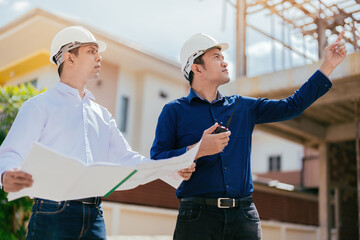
(289, 177)
(155, 194)
(284, 208)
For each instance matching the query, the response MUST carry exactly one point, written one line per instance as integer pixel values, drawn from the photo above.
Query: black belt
(91, 201)
(218, 202)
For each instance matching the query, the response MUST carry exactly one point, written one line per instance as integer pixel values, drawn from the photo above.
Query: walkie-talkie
(220, 128)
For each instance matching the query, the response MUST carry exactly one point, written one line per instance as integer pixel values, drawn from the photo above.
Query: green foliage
(15, 214)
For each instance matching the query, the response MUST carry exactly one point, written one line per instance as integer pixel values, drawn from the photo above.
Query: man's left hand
(187, 172)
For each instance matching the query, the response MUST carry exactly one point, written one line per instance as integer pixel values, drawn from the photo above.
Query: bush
(15, 214)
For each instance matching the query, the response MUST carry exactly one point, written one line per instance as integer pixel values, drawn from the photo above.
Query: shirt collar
(64, 88)
(194, 94)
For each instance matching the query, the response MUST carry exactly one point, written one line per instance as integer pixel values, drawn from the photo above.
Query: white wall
(145, 104)
(127, 87)
(265, 145)
(128, 219)
(153, 104)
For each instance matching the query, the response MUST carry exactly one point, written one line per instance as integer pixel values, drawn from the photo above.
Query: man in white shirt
(67, 120)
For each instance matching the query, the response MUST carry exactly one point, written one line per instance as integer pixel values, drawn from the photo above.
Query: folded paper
(58, 177)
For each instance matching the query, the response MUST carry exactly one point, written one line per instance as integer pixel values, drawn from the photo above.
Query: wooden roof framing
(315, 17)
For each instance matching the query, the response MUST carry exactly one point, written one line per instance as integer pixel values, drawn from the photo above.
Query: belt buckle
(94, 202)
(89, 203)
(219, 202)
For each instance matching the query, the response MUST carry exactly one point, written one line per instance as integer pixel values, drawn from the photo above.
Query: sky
(162, 26)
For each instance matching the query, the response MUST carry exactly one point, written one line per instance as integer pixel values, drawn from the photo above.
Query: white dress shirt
(75, 127)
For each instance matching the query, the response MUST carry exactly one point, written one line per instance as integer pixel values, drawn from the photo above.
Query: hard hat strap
(59, 57)
(190, 62)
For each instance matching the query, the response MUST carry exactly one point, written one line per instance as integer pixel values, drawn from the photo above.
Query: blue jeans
(65, 220)
(205, 222)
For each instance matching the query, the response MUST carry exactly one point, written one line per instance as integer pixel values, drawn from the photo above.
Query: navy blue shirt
(228, 173)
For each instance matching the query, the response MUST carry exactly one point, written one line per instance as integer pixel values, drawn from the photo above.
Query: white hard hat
(194, 47)
(70, 38)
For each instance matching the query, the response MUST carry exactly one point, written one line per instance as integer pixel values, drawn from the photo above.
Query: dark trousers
(204, 222)
(65, 220)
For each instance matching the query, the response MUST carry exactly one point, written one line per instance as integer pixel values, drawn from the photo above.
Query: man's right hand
(14, 180)
(212, 143)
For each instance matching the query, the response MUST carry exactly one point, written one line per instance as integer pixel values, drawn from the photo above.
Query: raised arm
(266, 110)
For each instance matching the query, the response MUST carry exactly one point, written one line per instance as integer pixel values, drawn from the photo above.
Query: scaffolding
(319, 19)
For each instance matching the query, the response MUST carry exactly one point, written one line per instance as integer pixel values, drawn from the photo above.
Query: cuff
(1, 182)
(322, 80)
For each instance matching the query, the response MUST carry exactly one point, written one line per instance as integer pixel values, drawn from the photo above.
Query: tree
(15, 214)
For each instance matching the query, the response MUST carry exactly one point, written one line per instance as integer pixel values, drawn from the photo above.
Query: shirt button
(225, 168)
(326, 85)
(227, 186)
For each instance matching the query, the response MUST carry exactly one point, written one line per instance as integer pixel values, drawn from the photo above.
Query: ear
(195, 68)
(69, 58)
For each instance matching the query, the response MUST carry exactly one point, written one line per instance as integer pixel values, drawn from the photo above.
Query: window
(274, 163)
(34, 83)
(163, 94)
(124, 105)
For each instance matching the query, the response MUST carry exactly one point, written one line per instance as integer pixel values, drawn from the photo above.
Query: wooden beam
(329, 22)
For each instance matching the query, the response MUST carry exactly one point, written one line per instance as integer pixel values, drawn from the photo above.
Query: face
(214, 70)
(87, 62)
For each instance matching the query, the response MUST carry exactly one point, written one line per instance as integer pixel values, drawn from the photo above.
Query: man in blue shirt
(216, 202)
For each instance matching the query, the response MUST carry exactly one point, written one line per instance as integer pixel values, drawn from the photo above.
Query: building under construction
(330, 125)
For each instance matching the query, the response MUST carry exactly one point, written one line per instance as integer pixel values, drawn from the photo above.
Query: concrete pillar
(240, 38)
(322, 41)
(324, 193)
